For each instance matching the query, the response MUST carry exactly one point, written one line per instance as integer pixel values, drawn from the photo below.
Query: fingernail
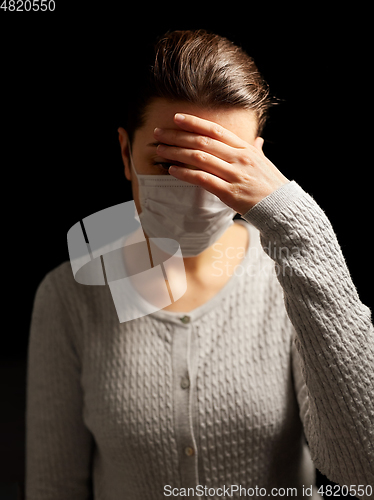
(179, 118)
(157, 131)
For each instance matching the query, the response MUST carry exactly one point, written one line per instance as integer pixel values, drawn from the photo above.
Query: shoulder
(261, 274)
(59, 289)
(59, 282)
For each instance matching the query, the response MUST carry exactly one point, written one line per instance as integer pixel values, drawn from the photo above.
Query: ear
(258, 143)
(124, 143)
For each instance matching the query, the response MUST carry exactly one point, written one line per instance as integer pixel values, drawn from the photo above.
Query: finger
(211, 183)
(210, 129)
(189, 140)
(199, 159)
(258, 143)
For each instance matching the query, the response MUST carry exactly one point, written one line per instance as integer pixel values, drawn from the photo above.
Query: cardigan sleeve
(58, 444)
(333, 350)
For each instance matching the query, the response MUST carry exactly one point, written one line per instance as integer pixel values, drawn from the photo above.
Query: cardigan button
(189, 451)
(185, 319)
(185, 383)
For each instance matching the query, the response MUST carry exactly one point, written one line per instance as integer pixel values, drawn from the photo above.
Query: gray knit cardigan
(243, 395)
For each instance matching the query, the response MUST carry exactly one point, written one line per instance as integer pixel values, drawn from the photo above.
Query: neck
(197, 265)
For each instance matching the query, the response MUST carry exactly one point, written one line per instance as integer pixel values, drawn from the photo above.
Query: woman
(257, 372)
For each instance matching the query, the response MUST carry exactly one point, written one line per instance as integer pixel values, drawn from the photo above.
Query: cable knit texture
(222, 395)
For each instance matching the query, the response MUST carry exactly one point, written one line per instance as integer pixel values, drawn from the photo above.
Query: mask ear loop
(131, 161)
(136, 214)
(136, 175)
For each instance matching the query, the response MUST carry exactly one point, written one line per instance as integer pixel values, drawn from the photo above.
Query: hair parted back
(204, 69)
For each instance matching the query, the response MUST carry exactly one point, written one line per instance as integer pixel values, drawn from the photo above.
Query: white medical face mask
(176, 209)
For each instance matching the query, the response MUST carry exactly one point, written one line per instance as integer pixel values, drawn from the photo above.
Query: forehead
(160, 114)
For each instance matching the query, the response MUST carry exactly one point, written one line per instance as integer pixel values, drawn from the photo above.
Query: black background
(63, 90)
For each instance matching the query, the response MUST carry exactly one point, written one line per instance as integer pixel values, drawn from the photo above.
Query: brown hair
(202, 68)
